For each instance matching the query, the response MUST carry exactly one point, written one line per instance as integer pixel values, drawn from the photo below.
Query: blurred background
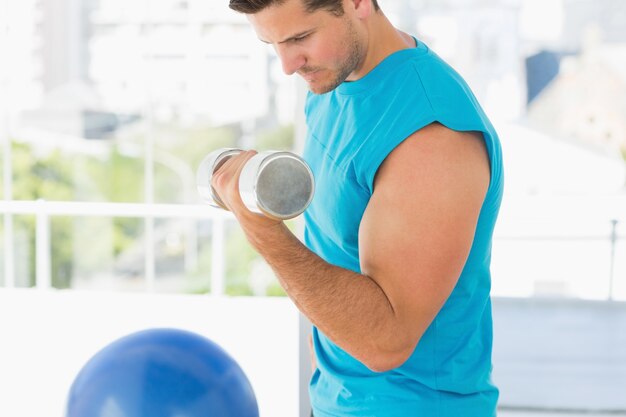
(108, 106)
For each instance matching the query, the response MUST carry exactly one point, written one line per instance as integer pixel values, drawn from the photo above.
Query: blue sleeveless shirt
(351, 130)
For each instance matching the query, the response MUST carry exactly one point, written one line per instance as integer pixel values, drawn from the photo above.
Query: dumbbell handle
(277, 184)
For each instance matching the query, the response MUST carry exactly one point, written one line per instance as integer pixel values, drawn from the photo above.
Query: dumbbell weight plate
(207, 167)
(279, 185)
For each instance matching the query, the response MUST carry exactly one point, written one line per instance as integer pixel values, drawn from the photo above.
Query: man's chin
(317, 88)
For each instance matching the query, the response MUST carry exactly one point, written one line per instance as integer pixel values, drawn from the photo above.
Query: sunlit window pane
(183, 256)
(98, 253)
(23, 249)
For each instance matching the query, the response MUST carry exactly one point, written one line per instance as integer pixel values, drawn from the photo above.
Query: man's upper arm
(418, 228)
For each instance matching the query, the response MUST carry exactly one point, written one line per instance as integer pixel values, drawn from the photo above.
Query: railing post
(612, 265)
(217, 257)
(42, 248)
(304, 354)
(149, 263)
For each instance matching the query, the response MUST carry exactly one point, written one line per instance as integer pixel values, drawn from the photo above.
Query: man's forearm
(350, 308)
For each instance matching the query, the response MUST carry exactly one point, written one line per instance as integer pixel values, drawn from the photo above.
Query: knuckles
(219, 179)
(225, 180)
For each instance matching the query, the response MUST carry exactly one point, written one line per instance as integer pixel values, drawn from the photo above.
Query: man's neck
(383, 39)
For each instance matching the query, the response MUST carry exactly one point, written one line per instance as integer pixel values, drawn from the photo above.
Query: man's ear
(362, 8)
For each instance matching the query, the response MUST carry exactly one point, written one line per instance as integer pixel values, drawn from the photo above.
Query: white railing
(578, 240)
(510, 229)
(44, 210)
(611, 236)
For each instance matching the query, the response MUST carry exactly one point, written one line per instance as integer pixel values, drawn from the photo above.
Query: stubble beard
(353, 60)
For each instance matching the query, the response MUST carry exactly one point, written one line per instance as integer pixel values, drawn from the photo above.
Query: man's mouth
(309, 75)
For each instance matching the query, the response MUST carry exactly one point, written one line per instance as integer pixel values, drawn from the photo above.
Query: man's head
(254, 6)
(324, 41)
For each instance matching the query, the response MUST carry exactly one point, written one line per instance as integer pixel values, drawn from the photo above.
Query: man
(395, 271)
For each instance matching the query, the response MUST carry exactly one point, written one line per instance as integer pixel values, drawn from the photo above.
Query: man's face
(322, 48)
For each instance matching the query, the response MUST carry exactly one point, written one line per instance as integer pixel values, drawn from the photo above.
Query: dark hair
(253, 6)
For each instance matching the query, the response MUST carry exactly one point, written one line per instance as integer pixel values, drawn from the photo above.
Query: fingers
(225, 180)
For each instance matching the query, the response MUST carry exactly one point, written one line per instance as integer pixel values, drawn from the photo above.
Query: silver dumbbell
(277, 184)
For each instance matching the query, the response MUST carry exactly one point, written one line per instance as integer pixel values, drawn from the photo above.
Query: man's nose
(291, 59)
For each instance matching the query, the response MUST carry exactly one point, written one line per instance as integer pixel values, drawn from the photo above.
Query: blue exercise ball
(161, 373)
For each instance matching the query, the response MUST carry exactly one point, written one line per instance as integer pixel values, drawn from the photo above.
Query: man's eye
(300, 38)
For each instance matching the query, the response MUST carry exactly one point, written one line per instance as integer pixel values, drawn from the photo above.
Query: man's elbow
(386, 361)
